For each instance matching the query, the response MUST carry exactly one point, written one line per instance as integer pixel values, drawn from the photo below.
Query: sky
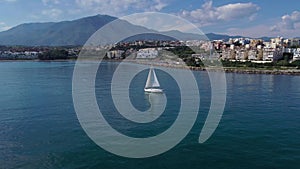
(256, 18)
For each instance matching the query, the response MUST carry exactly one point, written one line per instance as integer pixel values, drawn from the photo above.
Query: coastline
(244, 70)
(295, 72)
(239, 70)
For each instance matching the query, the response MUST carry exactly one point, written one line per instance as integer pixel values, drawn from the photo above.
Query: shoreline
(247, 70)
(238, 70)
(295, 72)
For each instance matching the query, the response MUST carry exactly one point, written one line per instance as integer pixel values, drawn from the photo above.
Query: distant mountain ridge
(77, 32)
(54, 33)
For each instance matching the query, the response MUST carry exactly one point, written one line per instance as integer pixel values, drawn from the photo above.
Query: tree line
(55, 54)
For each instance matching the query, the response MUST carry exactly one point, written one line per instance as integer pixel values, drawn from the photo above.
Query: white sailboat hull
(153, 90)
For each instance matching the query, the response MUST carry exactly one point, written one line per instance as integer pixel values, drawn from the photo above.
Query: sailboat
(152, 84)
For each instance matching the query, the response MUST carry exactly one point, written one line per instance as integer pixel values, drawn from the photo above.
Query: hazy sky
(254, 18)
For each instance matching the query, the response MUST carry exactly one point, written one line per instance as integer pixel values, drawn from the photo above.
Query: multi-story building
(296, 54)
(114, 54)
(276, 42)
(147, 53)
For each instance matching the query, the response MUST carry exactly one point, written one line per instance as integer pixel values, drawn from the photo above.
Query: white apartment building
(147, 53)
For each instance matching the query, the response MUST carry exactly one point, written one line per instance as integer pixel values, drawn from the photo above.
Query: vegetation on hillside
(54, 54)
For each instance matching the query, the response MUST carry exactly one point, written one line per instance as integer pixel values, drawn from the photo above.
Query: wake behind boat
(152, 84)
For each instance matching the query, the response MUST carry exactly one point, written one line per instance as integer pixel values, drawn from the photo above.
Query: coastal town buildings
(114, 54)
(233, 49)
(25, 55)
(147, 53)
(257, 50)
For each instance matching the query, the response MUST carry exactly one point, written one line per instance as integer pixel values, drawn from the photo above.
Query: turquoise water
(260, 127)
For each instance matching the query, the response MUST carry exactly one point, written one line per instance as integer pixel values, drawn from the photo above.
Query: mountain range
(77, 32)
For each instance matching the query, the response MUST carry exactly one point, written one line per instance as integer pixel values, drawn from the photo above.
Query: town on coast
(240, 55)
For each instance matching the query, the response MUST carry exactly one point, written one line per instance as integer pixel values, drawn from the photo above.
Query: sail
(155, 81)
(149, 81)
(152, 79)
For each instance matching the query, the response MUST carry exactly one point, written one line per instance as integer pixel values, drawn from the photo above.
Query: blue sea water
(260, 127)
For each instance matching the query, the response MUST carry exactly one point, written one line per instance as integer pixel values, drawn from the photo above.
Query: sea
(39, 128)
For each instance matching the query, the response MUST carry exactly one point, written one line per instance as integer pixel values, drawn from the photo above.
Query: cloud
(117, 7)
(250, 31)
(287, 22)
(4, 26)
(47, 2)
(262, 30)
(208, 14)
(160, 22)
(158, 5)
(52, 13)
(274, 28)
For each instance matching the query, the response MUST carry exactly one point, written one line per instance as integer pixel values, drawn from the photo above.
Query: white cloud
(117, 7)
(263, 30)
(254, 31)
(47, 2)
(52, 13)
(158, 5)
(287, 22)
(274, 28)
(4, 27)
(161, 22)
(288, 26)
(208, 14)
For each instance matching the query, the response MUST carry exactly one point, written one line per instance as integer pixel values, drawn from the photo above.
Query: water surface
(260, 127)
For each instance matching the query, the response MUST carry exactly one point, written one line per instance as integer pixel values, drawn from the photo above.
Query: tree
(54, 54)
